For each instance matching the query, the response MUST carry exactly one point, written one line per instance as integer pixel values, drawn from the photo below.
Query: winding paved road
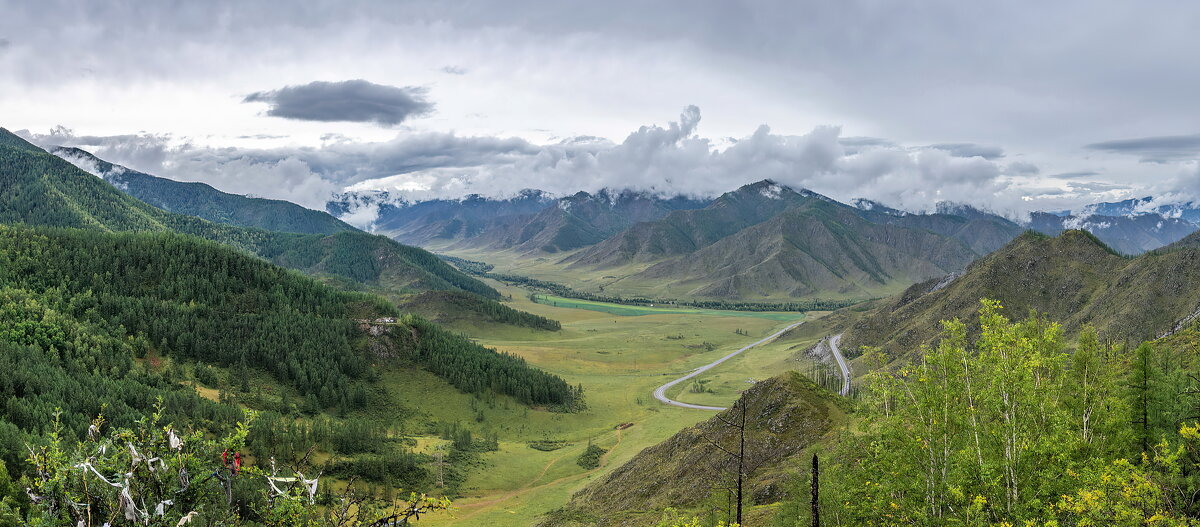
(837, 355)
(661, 392)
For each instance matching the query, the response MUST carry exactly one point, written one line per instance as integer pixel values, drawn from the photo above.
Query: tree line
(478, 370)
(491, 310)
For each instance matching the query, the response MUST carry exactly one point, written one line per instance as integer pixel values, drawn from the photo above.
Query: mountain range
(530, 222)
(763, 241)
(766, 240)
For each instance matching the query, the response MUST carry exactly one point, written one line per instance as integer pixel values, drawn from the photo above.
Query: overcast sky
(1015, 106)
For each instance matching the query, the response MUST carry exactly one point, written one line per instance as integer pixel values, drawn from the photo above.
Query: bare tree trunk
(741, 463)
(816, 482)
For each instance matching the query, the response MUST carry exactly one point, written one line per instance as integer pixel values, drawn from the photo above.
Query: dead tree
(739, 457)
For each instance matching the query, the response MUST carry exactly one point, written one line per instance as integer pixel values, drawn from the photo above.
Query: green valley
(385, 264)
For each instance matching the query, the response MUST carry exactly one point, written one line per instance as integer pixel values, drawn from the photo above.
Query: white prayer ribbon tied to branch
(309, 484)
(125, 498)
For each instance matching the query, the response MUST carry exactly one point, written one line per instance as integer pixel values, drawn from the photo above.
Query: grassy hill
(204, 201)
(1073, 278)
(37, 188)
(785, 415)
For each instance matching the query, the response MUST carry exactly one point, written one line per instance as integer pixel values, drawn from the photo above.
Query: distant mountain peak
(775, 191)
(875, 206)
(772, 191)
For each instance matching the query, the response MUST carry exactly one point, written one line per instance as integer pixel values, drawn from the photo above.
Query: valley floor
(619, 360)
(625, 280)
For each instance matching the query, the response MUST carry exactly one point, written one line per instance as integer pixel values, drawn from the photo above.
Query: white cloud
(674, 158)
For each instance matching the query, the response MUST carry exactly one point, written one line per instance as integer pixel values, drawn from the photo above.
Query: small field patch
(634, 311)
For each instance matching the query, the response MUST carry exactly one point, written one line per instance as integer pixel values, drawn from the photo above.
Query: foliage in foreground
(673, 518)
(155, 475)
(1011, 429)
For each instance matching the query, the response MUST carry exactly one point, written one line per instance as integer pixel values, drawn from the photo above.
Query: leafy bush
(590, 458)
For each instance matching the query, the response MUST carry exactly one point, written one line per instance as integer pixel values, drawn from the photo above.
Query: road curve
(841, 361)
(661, 392)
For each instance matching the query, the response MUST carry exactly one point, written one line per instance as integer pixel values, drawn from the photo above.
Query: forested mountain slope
(1073, 278)
(37, 188)
(204, 201)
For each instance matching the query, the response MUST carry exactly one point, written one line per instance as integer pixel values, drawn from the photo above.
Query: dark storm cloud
(1161, 149)
(970, 150)
(352, 100)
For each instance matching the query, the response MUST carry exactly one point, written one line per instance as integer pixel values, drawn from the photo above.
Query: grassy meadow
(619, 360)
